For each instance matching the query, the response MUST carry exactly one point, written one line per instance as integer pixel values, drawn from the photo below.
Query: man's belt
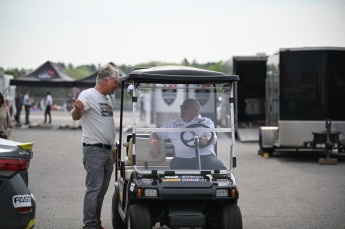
(100, 145)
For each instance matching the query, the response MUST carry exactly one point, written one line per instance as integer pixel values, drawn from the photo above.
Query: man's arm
(78, 109)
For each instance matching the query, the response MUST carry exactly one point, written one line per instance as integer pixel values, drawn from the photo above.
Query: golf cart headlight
(150, 192)
(222, 192)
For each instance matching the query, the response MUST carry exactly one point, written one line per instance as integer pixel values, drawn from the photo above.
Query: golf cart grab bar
(183, 129)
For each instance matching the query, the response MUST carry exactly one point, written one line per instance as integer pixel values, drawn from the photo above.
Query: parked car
(17, 204)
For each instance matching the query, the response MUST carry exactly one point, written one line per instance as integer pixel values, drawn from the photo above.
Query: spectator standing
(19, 103)
(27, 106)
(95, 111)
(142, 109)
(6, 125)
(48, 104)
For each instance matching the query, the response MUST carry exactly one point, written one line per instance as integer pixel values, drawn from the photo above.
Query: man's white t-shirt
(97, 121)
(49, 100)
(182, 150)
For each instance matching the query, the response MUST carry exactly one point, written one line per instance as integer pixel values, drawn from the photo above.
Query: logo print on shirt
(106, 110)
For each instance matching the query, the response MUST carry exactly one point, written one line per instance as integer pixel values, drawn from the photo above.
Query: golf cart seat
(143, 152)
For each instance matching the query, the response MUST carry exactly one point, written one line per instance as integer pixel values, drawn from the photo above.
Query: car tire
(231, 217)
(139, 217)
(115, 216)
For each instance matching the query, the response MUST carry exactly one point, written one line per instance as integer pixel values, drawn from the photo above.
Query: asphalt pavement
(289, 190)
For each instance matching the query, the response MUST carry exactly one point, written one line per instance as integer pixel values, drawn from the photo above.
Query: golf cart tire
(231, 217)
(115, 216)
(139, 217)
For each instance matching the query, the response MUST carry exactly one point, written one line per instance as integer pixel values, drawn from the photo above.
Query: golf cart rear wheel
(115, 216)
(231, 217)
(139, 217)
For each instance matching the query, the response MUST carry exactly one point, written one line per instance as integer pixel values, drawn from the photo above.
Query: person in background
(27, 106)
(95, 111)
(142, 109)
(6, 125)
(48, 103)
(18, 103)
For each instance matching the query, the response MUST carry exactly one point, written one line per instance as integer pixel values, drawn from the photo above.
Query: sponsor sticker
(171, 179)
(20, 201)
(193, 178)
(131, 188)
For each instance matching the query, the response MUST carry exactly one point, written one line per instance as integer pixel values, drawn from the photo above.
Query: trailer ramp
(248, 134)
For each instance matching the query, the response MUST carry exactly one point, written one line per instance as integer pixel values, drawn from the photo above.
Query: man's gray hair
(107, 70)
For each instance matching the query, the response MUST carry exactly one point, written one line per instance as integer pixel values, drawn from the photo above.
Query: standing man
(27, 106)
(48, 103)
(94, 110)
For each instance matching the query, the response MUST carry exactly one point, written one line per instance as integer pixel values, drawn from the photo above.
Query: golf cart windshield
(173, 129)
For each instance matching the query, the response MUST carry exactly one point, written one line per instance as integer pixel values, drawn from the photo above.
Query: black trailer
(305, 91)
(250, 96)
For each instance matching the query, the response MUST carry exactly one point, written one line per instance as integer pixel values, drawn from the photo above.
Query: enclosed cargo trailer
(305, 92)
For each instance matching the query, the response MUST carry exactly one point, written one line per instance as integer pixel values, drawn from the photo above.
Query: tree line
(81, 71)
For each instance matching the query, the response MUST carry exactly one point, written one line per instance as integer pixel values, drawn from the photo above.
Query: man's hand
(77, 112)
(78, 104)
(203, 140)
(154, 148)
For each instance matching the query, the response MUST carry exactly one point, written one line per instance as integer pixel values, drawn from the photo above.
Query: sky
(138, 31)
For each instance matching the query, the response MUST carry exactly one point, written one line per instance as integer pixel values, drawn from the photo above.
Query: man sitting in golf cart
(187, 143)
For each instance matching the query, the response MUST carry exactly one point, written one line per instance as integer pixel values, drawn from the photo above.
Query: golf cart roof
(177, 75)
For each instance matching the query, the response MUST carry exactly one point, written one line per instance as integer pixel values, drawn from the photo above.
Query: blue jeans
(99, 167)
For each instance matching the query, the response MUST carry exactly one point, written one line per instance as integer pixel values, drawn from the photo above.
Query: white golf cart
(148, 190)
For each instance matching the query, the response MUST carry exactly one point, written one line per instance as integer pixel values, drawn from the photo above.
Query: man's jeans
(99, 167)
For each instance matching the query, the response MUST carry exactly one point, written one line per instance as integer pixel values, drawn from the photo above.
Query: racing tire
(115, 216)
(230, 217)
(139, 217)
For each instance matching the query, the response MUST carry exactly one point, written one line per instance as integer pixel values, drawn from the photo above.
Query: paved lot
(287, 191)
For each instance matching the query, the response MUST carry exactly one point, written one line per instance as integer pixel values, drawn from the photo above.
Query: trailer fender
(267, 136)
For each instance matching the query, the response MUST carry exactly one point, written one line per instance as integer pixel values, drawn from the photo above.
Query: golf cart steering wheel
(190, 142)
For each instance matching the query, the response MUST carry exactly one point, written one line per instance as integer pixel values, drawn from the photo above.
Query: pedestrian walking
(48, 102)
(95, 111)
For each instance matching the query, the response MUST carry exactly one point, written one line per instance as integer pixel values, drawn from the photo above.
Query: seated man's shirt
(182, 150)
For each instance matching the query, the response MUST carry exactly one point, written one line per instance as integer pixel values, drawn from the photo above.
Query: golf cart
(148, 191)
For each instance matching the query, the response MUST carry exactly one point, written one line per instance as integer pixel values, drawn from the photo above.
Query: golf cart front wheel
(115, 216)
(231, 217)
(139, 217)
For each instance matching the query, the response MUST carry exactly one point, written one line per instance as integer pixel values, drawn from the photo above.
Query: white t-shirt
(97, 121)
(49, 100)
(182, 150)
(27, 100)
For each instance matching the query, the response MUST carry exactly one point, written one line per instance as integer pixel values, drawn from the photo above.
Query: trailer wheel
(139, 217)
(230, 217)
(115, 216)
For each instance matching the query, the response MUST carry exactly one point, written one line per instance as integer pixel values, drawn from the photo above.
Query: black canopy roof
(46, 75)
(176, 75)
